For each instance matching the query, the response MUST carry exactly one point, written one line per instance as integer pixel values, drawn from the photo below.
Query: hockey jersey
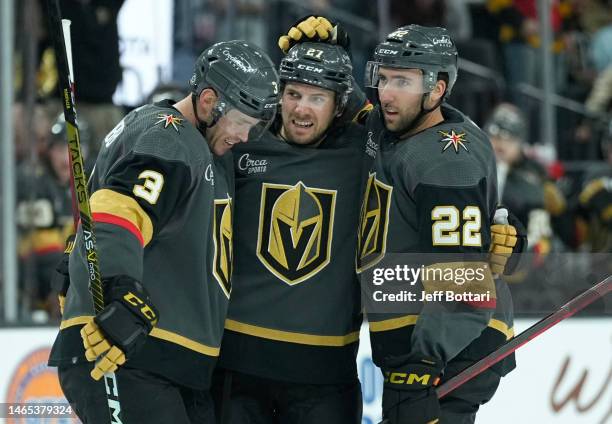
(295, 312)
(434, 193)
(162, 207)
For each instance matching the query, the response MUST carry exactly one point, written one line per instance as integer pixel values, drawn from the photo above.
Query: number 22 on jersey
(445, 228)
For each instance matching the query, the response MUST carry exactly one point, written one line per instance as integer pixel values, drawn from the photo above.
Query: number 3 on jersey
(446, 220)
(152, 186)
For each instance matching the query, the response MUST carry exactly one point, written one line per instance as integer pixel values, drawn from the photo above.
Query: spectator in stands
(601, 48)
(95, 56)
(519, 34)
(600, 97)
(451, 14)
(44, 215)
(25, 147)
(595, 202)
(592, 15)
(520, 180)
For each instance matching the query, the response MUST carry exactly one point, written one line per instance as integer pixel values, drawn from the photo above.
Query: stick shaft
(570, 308)
(76, 157)
(79, 182)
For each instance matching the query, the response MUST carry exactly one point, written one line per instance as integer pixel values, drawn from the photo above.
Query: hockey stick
(570, 308)
(60, 32)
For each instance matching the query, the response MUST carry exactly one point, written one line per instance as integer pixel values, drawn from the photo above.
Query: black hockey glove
(314, 29)
(409, 396)
(60, 281)
(120, 330)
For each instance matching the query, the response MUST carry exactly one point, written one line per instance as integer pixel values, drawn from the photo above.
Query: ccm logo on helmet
(310, 68)
(387, 51)
(405, 378)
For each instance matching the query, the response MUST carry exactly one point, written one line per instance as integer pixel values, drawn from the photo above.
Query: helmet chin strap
(202, 125)
(419, 118)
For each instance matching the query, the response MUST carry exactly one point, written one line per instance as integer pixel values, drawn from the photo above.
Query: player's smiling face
(307, 112)
(232, 128)
(400, 92)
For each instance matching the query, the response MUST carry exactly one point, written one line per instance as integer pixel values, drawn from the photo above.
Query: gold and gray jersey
(162, 208)
(433, 193)
(295, 312)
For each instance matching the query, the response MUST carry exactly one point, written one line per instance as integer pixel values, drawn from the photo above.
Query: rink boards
(564, 376)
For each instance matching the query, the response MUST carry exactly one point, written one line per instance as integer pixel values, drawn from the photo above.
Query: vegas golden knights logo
(222, 226)
(372, 236)
(295, 230)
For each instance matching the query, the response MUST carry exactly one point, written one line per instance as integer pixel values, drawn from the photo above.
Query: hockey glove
(503, 240)
(61, 279)
(409, 396)
(508, 242)
(314, 29)
(120, 330)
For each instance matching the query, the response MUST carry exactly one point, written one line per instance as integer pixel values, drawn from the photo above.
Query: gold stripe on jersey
(184, 341)
(81, 320)
(289, 336)
(393, 323)
(502, 327)
(113, 203)
(157, 333)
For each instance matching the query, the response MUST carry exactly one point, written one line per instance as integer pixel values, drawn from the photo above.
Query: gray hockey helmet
(507, 121)
(323, 65)
(430, 49)
(243, 77)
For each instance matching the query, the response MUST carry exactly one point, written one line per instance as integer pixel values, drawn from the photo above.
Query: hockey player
(434, 178)
(161, 198)
(288, 352)
(292, 331)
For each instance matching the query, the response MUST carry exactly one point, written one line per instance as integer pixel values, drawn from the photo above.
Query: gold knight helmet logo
(295, 230)
(222, 262)
(372, 235)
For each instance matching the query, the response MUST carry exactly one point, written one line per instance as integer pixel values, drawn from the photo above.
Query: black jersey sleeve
(454, 227)
(137, 197)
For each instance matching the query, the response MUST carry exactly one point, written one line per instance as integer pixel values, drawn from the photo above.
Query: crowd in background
(560, 189)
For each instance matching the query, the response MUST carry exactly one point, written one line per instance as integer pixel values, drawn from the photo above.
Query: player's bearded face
(232, 128)
(400, 92)
(307, 112)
